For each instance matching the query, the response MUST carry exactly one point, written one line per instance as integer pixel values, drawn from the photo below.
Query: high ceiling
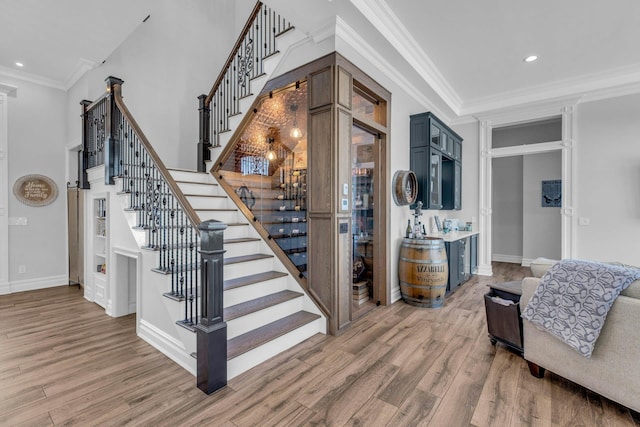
(469, 53)
(59, 40)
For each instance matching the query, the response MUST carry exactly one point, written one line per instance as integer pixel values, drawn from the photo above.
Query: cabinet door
(435, 134)
(457, 186)
(419, 163)
(457, 150)
(453, 257)
(419, 131)
(473, 254)
(435, 180)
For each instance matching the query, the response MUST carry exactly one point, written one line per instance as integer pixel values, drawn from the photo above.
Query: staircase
(264, 307)
(265, 310)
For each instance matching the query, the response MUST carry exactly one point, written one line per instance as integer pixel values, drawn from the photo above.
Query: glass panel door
(364, 157)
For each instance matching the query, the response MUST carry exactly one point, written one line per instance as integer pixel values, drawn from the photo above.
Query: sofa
(613, 370)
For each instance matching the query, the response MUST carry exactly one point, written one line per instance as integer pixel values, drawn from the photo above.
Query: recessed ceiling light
(530, 58)
(19, 64)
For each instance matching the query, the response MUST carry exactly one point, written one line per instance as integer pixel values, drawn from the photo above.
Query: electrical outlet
(22, 269)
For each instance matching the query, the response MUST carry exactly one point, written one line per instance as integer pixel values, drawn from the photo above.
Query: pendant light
(271, 154)
(295, 133)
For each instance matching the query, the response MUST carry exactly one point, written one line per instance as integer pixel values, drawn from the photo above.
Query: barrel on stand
(423, 271)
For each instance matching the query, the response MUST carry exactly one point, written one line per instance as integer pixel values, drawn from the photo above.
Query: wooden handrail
(234, 51)
(186, 206)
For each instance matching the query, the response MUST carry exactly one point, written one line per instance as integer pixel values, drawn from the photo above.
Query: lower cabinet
(462, 256)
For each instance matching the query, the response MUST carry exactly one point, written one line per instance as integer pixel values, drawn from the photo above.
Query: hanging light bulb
(271, 154)
(295, 133)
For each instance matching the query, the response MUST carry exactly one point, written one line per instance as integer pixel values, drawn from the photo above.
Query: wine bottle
(408, 232)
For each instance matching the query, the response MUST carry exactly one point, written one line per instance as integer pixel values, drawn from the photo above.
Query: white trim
(391, 27)
(600, 85)
(513, 259)
(349, 36)
(526, 262)
(10, 90)
(31, 78)
(568, 148)
(33, 284)
(137, 256)
(5, 286)
(83, 66)
(167, 345)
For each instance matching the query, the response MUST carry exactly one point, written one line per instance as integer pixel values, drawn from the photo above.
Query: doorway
(566, 146)
(364, 158)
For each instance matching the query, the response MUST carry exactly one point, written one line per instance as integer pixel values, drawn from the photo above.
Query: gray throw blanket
(573, 299)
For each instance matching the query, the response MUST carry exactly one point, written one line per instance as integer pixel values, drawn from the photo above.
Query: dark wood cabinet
(462, 257)
(436, 159)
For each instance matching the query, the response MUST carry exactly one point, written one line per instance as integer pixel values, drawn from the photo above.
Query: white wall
(541, 225)
(36, 145)
(608, 178)
(507, 208)
(166, 64)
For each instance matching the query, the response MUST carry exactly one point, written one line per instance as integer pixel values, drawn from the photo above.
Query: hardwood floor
(64, 362)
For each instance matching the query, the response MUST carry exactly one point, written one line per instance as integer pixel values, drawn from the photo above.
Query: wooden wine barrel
(423, 271)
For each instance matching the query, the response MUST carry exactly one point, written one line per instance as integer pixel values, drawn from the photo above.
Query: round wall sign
(405, 188)
(35, 190)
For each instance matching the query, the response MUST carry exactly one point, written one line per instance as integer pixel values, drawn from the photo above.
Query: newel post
(204, 142)
(83, 153)
(211, 330)
(111, 143)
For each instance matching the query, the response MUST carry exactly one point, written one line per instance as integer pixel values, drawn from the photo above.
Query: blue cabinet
(436, 159)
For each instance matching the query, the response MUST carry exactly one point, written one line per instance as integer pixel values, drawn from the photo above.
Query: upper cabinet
(436, 159)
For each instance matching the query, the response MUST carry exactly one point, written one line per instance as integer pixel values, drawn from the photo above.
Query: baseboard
(514, 259)
(526, 262)
(167, 345)
(33, 284)
(395, 294)
(485, 270)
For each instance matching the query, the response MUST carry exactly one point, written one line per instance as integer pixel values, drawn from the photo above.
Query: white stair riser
(204, 190)
(253, 291)
(232, 271)
(222, 216)
(248, 360)
(203, 202)
(260, 318)
(191, 176)
(244, 248)
(236, 231)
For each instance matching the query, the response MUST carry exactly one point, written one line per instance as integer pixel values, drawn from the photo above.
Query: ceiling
(469, 53)
(58, 41)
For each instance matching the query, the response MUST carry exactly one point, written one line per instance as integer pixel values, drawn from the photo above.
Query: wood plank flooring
(64, 362)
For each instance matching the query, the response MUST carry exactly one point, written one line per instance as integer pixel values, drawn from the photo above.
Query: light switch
(345, 189)
(584, 221)
(345, 204)
(18, 221)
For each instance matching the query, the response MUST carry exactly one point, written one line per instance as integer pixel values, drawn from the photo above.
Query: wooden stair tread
(251, 279)
(245, 258)
(212, 196)
(196, 183)
(241, 240)
(258, 304)
(255, 338)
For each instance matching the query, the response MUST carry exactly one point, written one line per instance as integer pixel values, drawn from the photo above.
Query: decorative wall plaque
(35, 190)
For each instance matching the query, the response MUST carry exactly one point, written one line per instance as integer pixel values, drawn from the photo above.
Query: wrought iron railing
(111, 133)
(256, 42)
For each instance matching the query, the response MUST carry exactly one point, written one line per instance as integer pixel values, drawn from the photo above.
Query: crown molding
(591, 87)
(391, 27)
(83, 66)
(9, 90)
(31, 78)
(80, 69)
(349, 36)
